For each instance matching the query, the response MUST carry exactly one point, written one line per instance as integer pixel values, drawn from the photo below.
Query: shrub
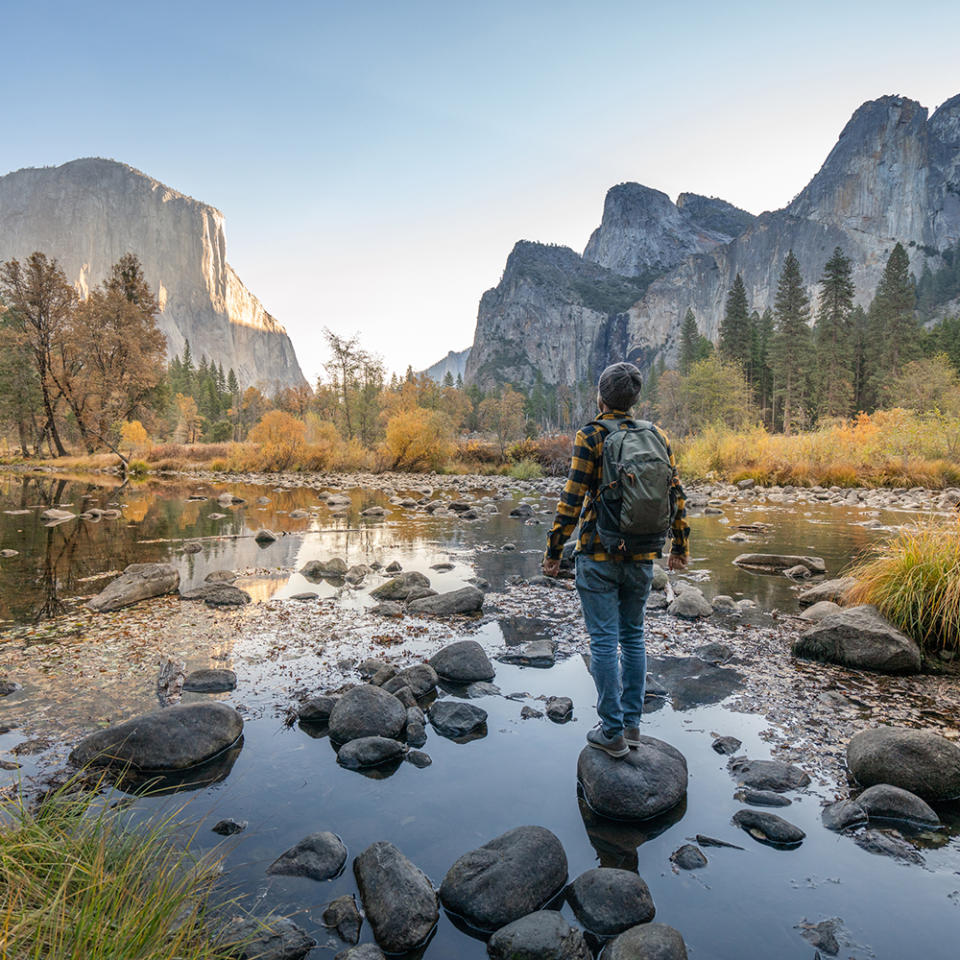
(417, 439)
(525, 470)
(79, 882)
(914, 581)
(138, 468)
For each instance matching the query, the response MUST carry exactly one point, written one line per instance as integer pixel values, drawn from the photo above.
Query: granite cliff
(88, 213)
(894, 175)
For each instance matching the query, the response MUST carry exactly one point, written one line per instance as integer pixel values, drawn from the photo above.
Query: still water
(285, 780)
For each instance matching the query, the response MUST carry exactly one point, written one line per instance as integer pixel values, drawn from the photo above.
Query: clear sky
(376, 160)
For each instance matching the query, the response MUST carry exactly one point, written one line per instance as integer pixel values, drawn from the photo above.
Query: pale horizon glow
(376, 162)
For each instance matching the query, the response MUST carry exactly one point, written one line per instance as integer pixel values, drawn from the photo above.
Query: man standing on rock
(623, 487)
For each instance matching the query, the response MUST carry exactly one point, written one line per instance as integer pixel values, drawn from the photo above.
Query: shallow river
(747, 903)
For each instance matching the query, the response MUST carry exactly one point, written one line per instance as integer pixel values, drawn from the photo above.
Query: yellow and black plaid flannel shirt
(584, 479)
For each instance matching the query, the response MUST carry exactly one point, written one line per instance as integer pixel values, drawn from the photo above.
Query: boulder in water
(171, 739)
(140, 581)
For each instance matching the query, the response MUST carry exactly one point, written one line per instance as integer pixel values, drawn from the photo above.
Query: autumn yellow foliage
(417, 439)
(888, 448)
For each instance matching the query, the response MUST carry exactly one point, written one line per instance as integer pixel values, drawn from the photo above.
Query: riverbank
(728, 675)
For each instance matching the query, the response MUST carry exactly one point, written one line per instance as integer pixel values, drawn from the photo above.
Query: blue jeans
(613, 595)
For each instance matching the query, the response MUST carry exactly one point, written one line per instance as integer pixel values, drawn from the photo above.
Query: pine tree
(448, 379)
(689, 342)
(761, 375)
(735, 326)
(459, 381)
(790, 350)
(894, 331)
(859, 358)
(832, 333)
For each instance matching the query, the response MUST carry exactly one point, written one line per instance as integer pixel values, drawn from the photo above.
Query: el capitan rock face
(88, 213)
(893, 176)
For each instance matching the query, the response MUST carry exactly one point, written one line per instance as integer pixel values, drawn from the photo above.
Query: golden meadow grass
(889, 448)
(914, 581)
(79, 882)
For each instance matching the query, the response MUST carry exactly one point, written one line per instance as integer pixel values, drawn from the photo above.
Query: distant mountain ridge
(454, 363)
(87, 213)
(894, 175)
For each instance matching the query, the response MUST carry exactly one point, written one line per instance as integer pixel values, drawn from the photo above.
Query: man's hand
(551, 568)
(676, 562)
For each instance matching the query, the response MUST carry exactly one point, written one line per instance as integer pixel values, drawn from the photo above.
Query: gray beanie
(620, 385)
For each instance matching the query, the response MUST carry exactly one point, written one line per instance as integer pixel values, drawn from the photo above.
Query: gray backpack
(636, 503)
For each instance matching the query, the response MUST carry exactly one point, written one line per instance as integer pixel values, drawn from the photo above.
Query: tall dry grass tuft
(78, 881)
(914, 581)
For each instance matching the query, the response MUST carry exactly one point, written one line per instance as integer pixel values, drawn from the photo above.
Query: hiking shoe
(632, 736)
(614, 746)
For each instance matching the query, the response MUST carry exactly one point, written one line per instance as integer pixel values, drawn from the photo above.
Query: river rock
(365, 951)
(842, 814)
(608, 901)
(920, 761)
(832, 590)
(884, 802)
(332, 569)
(320, 856)
(859, 637)
(7, 687)
(218, 594)
(463, 662)
(316, 709)
(210, 681)
(690, 605)
(688, 857)
(772, 775)
(536, 653)
(418, 758)
(421, 678)
(762, 798)
(778, 563)
(9, 554)
(343, 916)
(228, 827)
(542, 935)
(220, 576)
(817, 611)
(264, 537)
(454, 718)
(53, 516)
(399, 588)
(369, 752)
(139, 581)
(170, 739)
(266, 938)
(559, 709)
(464, 600)
(192, 547)
(648, 941)
(389, 608)
(726, 745)
(366, 711)
(660, 579)
(399, 900)
(650, 780)
(512, 875)
(768, 827)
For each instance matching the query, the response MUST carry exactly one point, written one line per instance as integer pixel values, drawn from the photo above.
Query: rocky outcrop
(894, 175)
(643, 232)
(88, 213)
(550, 315)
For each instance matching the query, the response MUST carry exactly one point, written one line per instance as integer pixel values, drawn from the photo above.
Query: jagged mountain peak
(644, 232)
